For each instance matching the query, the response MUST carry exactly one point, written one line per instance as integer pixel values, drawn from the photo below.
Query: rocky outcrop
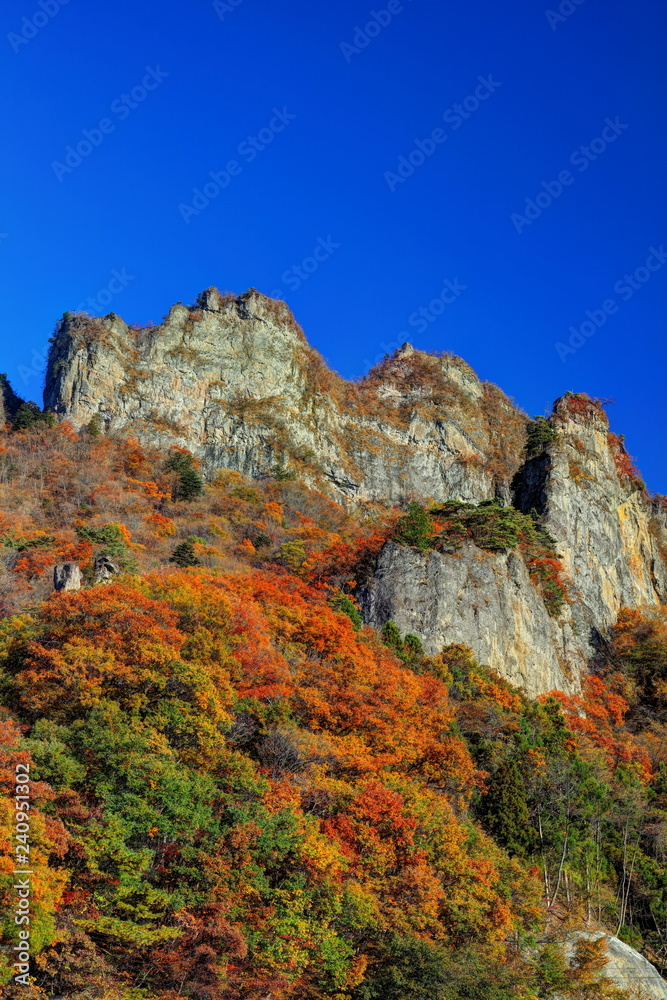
(105, 569)
(67, 576)
(626, 968)
(611, 537)
(483, 599)
(234, 380)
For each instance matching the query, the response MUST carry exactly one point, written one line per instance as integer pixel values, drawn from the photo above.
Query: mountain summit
(234, 381)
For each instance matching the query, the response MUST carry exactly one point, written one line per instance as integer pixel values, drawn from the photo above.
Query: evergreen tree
(505, 809)
(29, 414)
(414, 528)
(190, 484)
(9, 401)
(391, 636)
(184, 553)
(346, 606)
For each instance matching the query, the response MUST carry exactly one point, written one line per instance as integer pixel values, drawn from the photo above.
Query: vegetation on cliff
(492, 526)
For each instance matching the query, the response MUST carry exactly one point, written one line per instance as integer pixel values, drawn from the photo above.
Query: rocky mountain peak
(234, 380)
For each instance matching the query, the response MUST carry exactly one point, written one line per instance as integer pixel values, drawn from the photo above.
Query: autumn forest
(242, 791)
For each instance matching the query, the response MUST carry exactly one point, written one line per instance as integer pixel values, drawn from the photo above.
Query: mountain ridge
(233, 380)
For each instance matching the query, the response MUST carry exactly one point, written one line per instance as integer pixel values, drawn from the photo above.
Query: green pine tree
(184, 553)
(190, 484)
(414, 528)
(505, 809)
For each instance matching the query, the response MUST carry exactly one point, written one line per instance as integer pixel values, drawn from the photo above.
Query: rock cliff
(234, 380)
(590, 498)
(580, 484)
(483, 599)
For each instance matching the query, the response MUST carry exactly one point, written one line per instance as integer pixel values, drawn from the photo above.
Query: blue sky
(471, 176)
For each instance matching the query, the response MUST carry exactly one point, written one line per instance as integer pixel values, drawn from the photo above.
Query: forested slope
(242, 791)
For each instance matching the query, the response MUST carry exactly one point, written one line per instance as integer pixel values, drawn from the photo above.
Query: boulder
(105, 569)
(67, 576)
(626, 967)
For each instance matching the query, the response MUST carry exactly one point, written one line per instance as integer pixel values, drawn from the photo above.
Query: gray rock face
(67, 576)
(627, 968)
(482, 599)
(611, 537)
(612, 540)
(235, 381)
(105, 569)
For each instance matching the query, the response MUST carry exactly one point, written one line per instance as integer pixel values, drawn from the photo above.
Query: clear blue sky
(184, 88)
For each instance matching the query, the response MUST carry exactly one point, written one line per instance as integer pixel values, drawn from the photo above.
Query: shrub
(575, 405)
(540, 432)
(505, 424)
(545, 571)
(21, 544)
(494, 527)
(261, 540)
(344, 604)
(413, 645)
(409, 969)
(640, 650)
(490, 525)
(281, 474)
(247, 494)
(292, 555)
(625, 464)
(412, 968)
(408, 648)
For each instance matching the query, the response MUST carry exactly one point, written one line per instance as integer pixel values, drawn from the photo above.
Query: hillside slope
(298, 740)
